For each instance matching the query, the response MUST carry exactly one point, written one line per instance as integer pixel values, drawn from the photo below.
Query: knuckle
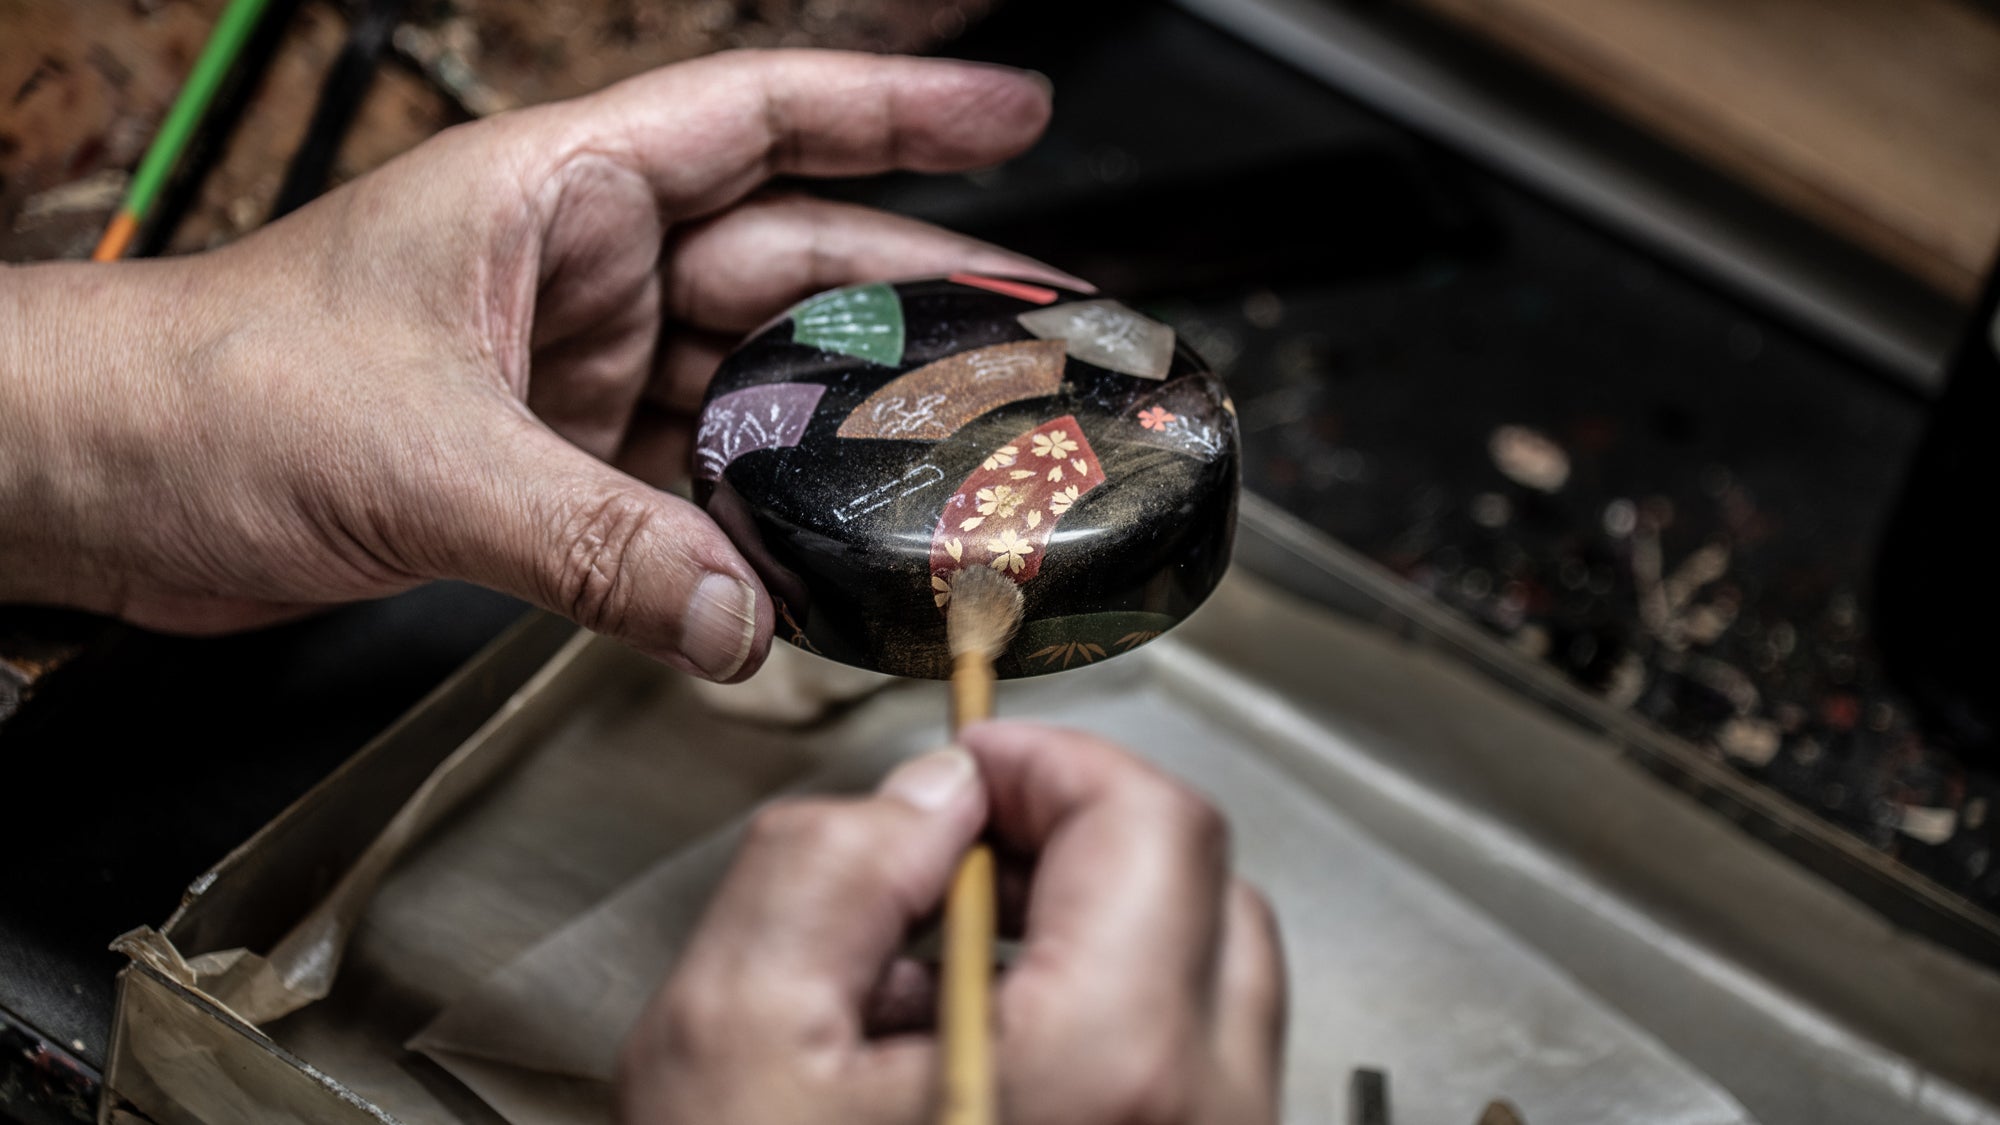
(693, 1015)
(780, 823)
(1151, 1083)
(845, 850)
(809, 827)
(593, 581)
(819, 1035)
(1194, 818)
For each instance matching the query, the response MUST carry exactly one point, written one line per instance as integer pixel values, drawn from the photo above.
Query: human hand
(477, 362)
(1149, 987)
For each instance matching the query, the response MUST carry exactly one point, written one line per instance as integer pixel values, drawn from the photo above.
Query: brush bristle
(985, 611)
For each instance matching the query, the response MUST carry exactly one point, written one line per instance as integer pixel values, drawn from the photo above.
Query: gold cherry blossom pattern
(940, 590)
(1004, 513)
(1054, 444)
(1010, 552)
(1064, 470)
(1001, 500)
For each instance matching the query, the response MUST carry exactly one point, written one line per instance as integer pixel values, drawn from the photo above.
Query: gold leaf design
(1068, 653)
(1054, 444)
(1001, 500)
(1010, 551)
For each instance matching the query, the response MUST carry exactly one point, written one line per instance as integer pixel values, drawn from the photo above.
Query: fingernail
(1047, 84)
(720, 625)
(933, 781)
(1075, 282)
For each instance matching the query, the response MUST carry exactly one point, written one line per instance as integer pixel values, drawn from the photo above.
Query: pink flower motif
(1155, 418)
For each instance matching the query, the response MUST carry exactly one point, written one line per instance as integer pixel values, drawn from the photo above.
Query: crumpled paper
(257, 988)
(791, 689)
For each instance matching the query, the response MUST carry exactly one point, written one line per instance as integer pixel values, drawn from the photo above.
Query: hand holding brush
(1148, 985)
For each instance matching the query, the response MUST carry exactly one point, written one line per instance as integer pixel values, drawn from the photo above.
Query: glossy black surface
(854, 534)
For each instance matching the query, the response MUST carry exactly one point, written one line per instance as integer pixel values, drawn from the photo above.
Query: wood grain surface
(1878, 118)
(84, 84)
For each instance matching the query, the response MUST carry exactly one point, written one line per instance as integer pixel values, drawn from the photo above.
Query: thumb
(548, 523)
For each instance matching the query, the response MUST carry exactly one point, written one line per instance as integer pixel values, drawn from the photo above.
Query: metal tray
(1480, 895)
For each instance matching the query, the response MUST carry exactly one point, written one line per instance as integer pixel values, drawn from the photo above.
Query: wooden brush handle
(971, 691)
(966, 1016)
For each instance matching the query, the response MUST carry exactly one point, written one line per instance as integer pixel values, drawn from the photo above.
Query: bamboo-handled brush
(985, 611)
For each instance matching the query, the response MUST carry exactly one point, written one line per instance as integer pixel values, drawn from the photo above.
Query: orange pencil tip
(116, 238)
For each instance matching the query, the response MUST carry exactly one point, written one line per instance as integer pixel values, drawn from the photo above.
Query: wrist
(92, 359)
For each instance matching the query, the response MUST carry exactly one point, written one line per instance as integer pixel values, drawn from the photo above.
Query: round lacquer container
(877, 440)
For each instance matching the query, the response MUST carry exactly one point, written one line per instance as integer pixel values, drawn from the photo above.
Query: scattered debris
(1927, 825)
(1529, 459)
(1750, 741)
(1620, 518)
(1531, 640)
(1367, 1097)
(1665, 604)
(100, 192)
(1627, 681)
(444, 54)
(1693, 555)
(1726, 680)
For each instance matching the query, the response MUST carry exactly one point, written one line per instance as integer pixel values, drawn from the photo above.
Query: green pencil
(217, 57)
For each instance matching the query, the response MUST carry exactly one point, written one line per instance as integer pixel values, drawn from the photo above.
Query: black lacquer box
(875, 441)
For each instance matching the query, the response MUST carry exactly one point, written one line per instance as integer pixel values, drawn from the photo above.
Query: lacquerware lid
(876, 440)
